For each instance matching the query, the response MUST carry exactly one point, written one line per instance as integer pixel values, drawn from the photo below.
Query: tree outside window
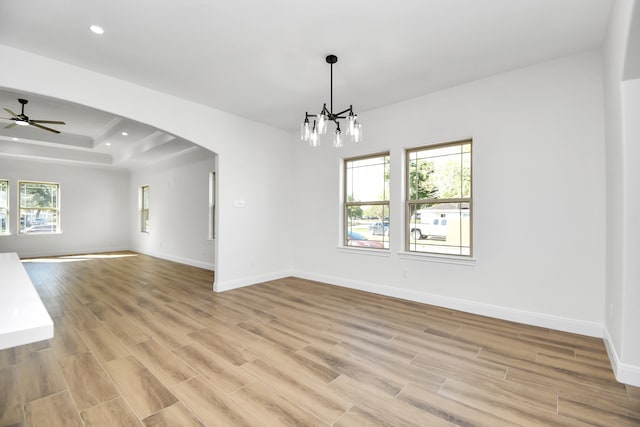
(39, 207)
(439, 205)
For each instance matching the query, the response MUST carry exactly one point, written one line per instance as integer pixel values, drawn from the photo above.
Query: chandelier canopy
(310, 133)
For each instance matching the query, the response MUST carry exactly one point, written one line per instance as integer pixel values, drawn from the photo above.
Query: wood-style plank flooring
(142, 341)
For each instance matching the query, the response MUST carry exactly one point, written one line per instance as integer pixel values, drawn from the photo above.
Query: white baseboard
(248, 281)
(625, 373)
(592, 329)
(187, 261)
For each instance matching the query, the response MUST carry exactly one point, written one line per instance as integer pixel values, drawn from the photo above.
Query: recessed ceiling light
(108, 144)
(96, 29)
(15, 139)
(124, 134)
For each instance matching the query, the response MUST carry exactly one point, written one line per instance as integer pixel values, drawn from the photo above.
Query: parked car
(379, 228)
(357, 239)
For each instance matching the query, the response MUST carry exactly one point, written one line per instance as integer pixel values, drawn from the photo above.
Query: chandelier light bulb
(337, 138)
(314, 141)
(305, 131)
(352, 120)
(322, 123)
(356, 135)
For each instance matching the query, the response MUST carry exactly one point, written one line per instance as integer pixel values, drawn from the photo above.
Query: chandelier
(310, 133)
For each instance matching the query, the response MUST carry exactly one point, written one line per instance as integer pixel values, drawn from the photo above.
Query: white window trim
(364, 251)
(58, 210)
(439, 258)
(142, 209)
(8, 217)
(343, 217)
(434, 256)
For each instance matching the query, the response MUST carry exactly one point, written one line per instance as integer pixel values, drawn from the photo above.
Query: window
(144, 210)
(366, 201)
(212, 205)
(4, 207)
(39, 207)
(438, 205)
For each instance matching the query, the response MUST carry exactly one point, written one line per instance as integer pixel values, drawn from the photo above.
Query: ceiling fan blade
(45, 128)
(12, 113)
(10, 125)
(53, 122)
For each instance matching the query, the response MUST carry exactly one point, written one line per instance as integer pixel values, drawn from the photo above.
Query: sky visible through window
(369, 174)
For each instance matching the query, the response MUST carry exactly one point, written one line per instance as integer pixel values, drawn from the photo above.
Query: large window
(366, 201)
(144, 209)
(39, 207)
(439, 204)
(4, 207)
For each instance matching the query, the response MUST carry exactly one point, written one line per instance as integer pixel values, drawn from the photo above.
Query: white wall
(622, 100)
(93, 209)
(254, 160)
(630, 355)
(539, 198)
(179, 209)
(613, 59)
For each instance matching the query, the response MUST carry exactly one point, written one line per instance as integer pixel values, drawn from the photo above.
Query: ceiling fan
(24, 120)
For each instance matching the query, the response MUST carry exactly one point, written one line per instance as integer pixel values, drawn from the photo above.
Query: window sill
(445, 259)
(57, 233)
(364, 251)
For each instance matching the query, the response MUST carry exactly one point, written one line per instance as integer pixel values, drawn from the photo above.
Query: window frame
(55, 209)
(5, 208)
(347, 204)
(212, 205)
(409, 202)
(144, 208)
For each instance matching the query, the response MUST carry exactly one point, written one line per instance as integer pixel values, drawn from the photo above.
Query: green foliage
(39, 195)
(354, 212)
(455, 180)
(421, 184)
(376, 211)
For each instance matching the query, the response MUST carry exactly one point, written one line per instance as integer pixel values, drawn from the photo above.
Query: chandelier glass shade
(310, 132)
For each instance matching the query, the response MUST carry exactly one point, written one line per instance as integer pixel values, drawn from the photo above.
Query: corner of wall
(187, 261)
(250, 280)
(624, 373)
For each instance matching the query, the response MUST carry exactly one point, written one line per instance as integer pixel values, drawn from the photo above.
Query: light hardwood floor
(142, 341)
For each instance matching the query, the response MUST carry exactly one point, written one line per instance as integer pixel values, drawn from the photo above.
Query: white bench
(23, 317)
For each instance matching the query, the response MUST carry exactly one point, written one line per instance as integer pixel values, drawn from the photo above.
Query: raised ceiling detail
(89, 137)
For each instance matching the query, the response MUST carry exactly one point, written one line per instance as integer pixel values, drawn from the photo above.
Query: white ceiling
(264, 60)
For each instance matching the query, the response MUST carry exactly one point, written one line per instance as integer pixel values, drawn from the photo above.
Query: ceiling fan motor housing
(24, 120)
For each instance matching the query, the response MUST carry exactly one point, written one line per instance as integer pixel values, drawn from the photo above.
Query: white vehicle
(429, 225)
(440, 222)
